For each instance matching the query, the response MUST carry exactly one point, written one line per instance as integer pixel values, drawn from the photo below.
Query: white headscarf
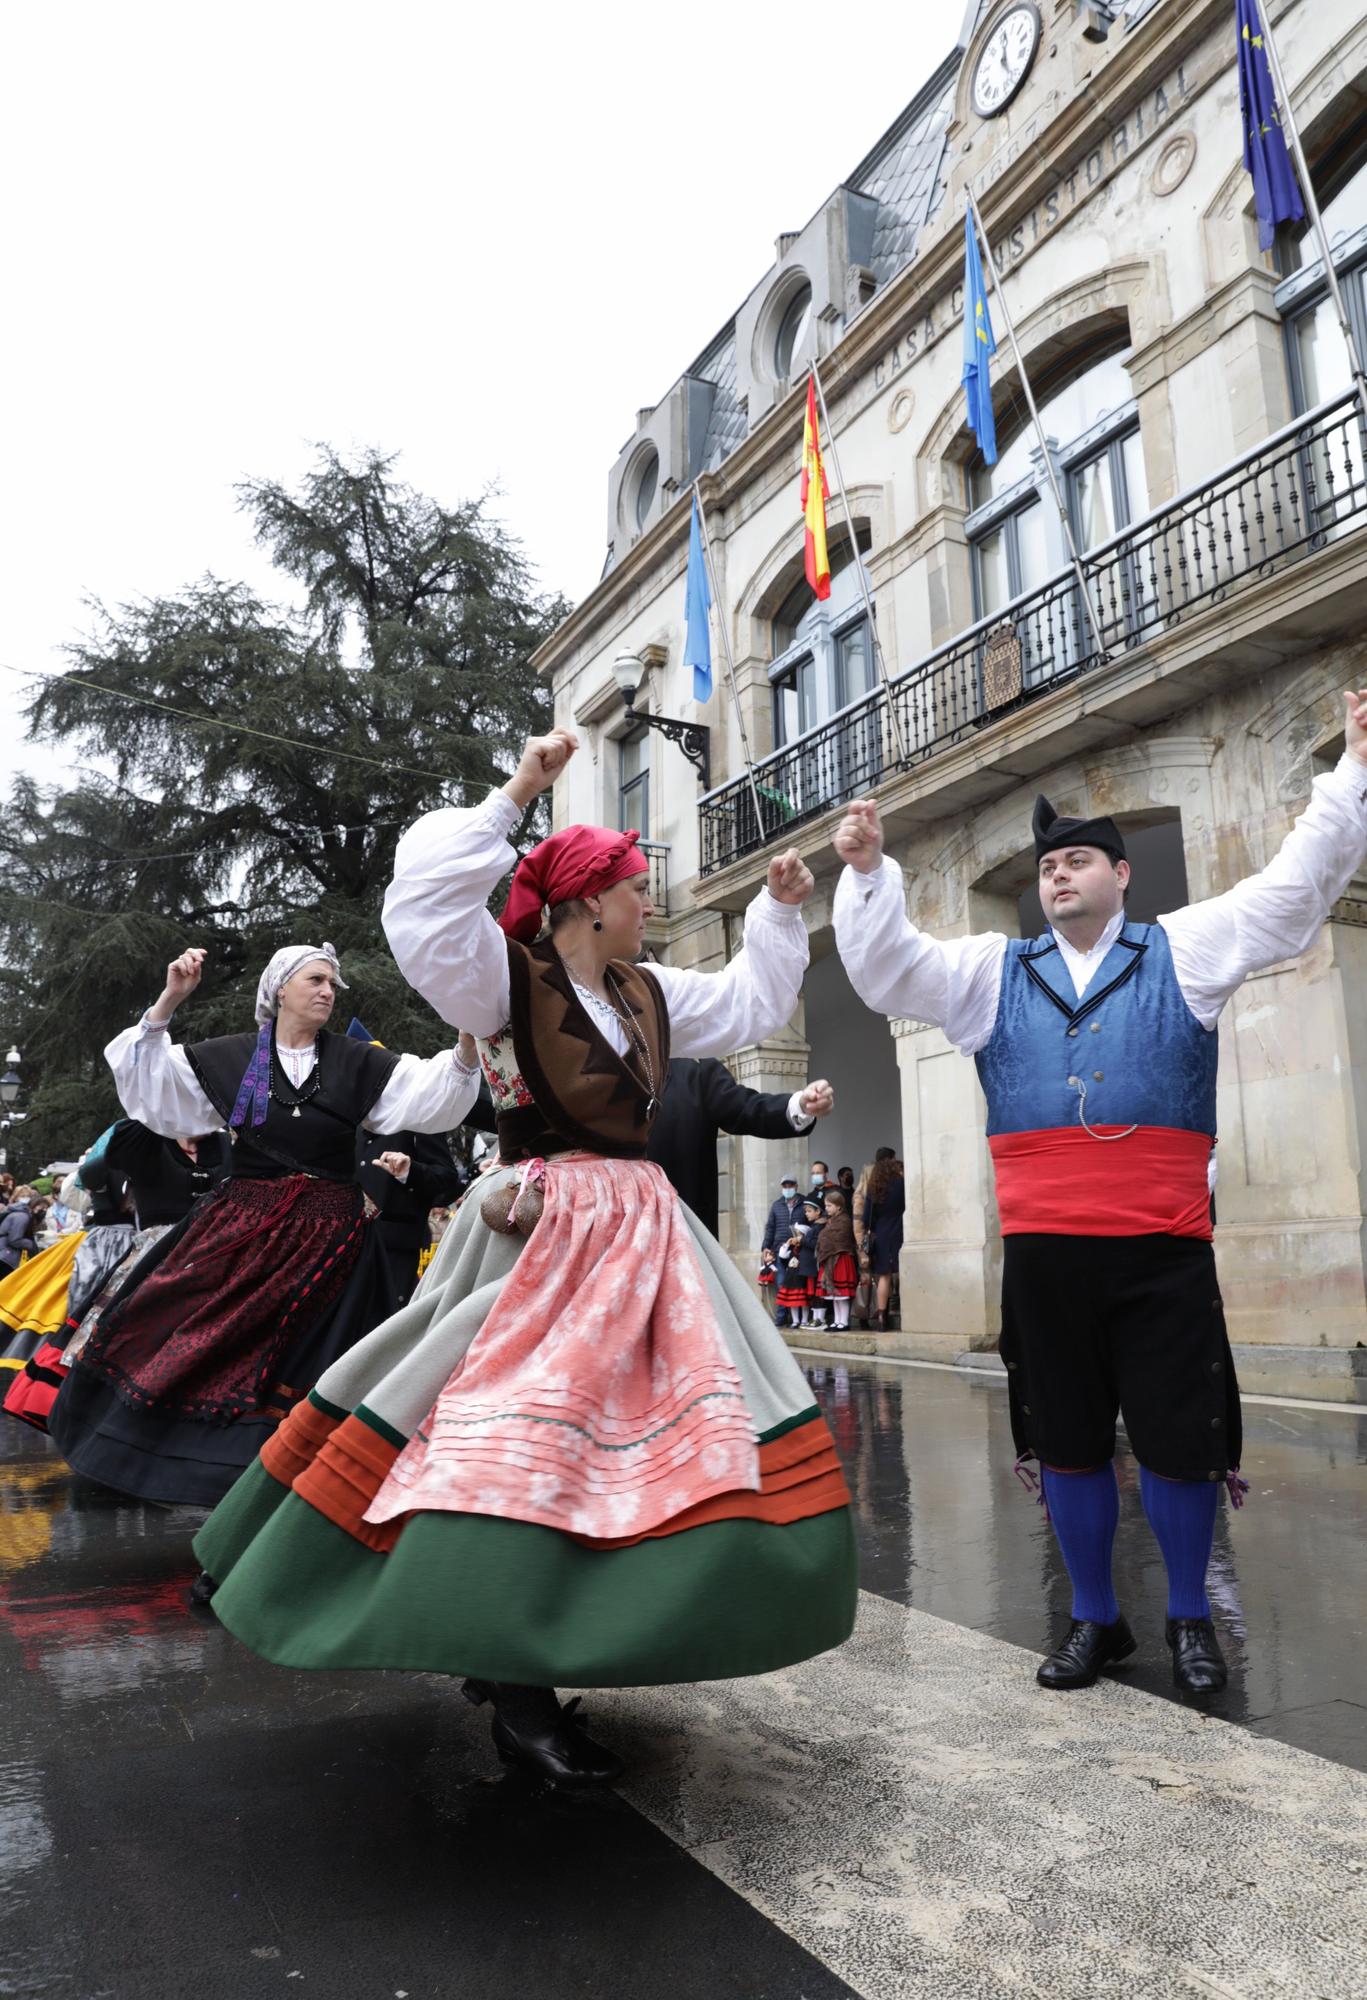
(284, 966)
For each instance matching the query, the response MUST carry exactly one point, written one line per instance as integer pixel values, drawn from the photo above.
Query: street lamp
(692, 737)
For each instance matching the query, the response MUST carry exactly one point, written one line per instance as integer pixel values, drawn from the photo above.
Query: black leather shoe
(532, 1731)
(202, 1590)
(1088, 1647)
(1198, 1665)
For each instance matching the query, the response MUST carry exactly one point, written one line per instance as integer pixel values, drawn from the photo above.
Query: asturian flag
(980, 344)
(697, 604)
(1276, 195)
(813, 495)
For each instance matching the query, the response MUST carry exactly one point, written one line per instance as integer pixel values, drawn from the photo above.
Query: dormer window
(792, 330)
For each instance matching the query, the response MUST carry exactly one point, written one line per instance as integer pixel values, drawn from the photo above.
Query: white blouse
(448, 946)
(156, 1084)
(954, 983)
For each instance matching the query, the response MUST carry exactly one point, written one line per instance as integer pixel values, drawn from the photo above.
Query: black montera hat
(1051, 831)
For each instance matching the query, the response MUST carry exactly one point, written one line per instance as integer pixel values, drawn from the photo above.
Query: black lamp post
(691, 737)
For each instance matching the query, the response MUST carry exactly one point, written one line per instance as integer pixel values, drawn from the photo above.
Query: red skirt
(34, 1389)
(842, 1277)
(794, 1291)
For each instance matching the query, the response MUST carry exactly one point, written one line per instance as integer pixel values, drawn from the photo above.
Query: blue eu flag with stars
(980, 344)
(1276, 195)
(697, 604)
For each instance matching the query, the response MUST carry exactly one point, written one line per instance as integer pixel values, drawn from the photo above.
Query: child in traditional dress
(838, 1265)
(807, 1264)
(793, 1291)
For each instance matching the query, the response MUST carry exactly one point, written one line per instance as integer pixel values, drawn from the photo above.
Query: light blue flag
(980, 343)
(697, 605)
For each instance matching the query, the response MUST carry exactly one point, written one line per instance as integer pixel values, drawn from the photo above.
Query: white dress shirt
(955, 983)
(156, 1084)
(448, 946)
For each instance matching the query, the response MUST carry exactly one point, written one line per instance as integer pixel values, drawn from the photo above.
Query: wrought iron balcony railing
(658, 856)
(1300, 491)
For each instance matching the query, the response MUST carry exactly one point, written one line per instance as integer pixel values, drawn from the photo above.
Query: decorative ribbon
(533, 1175)
(1237, 1488)
(255, 1088)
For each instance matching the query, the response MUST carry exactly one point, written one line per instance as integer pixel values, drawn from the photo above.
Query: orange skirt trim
(338, 1465)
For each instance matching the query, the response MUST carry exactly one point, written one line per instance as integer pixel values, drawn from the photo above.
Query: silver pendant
(295, 1112)
(652, 1107)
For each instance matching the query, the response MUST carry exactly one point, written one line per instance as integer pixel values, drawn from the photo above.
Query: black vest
(322, 1139)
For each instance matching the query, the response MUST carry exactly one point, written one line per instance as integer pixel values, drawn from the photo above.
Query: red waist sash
(1065, 1182)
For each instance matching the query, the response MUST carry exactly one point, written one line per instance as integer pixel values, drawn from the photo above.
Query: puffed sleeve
(713, 1013)
(443, 939)
(425, 1094)
(156, 1084)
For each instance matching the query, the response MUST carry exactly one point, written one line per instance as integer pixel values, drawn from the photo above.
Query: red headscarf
(581, 861)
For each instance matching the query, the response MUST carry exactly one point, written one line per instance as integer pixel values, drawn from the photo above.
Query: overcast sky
(480, 237)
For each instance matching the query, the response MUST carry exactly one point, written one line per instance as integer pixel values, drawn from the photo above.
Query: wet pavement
(177, 1815)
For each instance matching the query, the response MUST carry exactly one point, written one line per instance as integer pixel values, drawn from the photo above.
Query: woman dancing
(582, 1455)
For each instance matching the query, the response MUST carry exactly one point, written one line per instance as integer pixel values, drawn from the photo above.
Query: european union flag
(697, 604)
(980, 343)
(1276, 195)
(357, 1031)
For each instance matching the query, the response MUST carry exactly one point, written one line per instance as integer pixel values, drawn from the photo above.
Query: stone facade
(1120, 218)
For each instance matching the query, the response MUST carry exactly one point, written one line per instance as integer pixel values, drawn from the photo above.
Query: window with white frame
(1015, 539)
(1316, 351)
(822, 660)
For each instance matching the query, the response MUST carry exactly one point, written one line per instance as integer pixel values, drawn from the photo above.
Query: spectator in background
(784, 1217)
(885, 1206)
(18, 1230)
(839, 1270)
(821, 1180)
(845, 1179)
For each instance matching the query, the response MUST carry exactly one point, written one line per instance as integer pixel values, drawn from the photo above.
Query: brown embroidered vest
(584, 1095)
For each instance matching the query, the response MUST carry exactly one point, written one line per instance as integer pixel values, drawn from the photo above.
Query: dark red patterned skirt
(207, 1347)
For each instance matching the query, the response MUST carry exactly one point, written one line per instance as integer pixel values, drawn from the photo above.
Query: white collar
(1102, 945)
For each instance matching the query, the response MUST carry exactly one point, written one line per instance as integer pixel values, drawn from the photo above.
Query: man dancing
(1096, 1048)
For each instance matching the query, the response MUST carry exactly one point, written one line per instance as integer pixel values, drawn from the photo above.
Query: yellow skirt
(33, 1299)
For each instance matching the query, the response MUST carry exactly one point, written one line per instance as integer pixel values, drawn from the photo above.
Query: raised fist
(1355, 722)
(790, 879)
(817, 1100)
(542, 760)
(859, 837)
(183, 974)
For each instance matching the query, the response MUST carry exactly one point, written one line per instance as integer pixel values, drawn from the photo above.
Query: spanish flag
(813, 496)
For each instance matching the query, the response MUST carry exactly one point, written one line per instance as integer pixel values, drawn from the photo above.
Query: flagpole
(1045, 453)
(879, 661)
(730, 662)
(1308, 194)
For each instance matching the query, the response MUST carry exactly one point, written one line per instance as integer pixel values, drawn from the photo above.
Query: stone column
(951, 1249)
(747, 1185)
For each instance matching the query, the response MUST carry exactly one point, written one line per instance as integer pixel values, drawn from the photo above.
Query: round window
(792, 329)
(647, 479)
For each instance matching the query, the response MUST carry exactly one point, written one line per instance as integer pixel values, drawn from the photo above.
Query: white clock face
(1005, 63)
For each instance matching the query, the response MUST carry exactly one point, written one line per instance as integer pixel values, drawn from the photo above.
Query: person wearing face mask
(192, 1367)
(1096, 1046)
(821, 1180)
(783, 1214)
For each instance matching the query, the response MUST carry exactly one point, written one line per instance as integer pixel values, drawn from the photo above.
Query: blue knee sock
(1182, 1515)
(1084, 1508)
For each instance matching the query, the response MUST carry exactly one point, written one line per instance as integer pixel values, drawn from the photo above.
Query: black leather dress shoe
(531, 1730)
(201, 1591)
(1198, 1665)
(1088, 1647)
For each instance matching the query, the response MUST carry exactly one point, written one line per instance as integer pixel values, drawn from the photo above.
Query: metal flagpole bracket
(1059, 501)
(881, 664)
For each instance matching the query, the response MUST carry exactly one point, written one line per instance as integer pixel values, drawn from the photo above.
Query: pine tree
(399, 683)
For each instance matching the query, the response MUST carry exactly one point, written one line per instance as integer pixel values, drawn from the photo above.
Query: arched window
(1087, 411)
(647, 481)
(822, 659)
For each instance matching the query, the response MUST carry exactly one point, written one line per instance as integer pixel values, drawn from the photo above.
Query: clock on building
(1005, 61)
